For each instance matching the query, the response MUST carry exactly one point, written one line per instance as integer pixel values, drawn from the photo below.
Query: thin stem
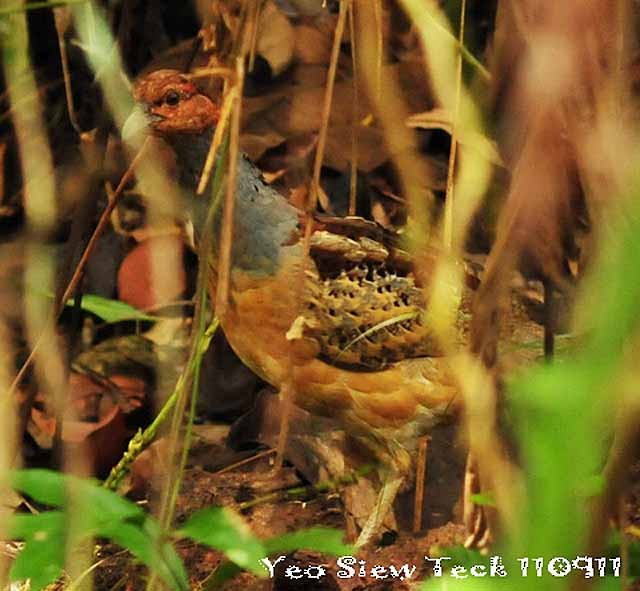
(288, 388)
(448, 210)
(38, 5)
(353, 181)
(226, 237)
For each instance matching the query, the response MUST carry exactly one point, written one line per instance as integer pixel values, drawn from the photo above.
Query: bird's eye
(172, 98)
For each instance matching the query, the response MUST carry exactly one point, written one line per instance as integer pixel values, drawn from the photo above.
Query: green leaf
(53, 488)
(44, 486)
(97, 512)
(484, 499)
(146, 543)
(319, 539)
(111, 311)
(42, 559)
(220, 528)
(38, 5)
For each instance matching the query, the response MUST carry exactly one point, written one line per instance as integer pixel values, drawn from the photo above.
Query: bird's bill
(138, 125)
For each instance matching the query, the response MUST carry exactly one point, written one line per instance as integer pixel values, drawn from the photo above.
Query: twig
(288, 388)
(355, 124)
(218, 135)
(226, 234)
(59, 14)
(421, 472)
(377, 15)
(451, 172)
(255, 19)
(254, 458)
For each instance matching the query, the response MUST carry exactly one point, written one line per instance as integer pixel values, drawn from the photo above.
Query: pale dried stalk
(226, 235)
(253, 27)
(377, 16)
(288, 389)
(449, 205)
(230, 96)
(391, 110)
(206, 72)
(40, 208)
(355, 124)
(61, 18)
(421, 472)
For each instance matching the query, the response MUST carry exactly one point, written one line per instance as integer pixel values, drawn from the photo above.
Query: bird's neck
(191, 153)
(264, 221)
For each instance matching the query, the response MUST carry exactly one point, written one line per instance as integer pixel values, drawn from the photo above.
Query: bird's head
(169, 104)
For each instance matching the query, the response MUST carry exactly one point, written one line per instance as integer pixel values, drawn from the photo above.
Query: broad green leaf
(147, 544)
(111, 311)
(52, 488)
(98, 512)
(42, 558)
(483, 499)
(223, 530)
(318, 539)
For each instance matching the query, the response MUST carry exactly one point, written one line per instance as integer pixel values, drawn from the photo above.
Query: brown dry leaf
(255, 109)
(410, 73)
(313, 43)
(276, 38)
(299, 195)
(372, 148)
(310, 76)
(272, 177)
(106, 439)
(92, 398)
(294, 158)
(256, 144)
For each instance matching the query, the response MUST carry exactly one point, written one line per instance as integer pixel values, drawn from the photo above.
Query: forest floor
(218, 476)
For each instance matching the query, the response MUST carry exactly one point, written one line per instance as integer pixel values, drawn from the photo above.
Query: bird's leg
(548, 319)
(392, 482)
(475, 517)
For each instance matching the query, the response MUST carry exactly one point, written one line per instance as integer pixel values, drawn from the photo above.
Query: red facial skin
(175, 104)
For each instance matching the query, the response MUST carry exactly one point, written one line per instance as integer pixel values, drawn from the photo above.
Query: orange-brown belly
(260, 315)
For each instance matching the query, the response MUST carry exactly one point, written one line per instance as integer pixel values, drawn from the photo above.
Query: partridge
(362, 350)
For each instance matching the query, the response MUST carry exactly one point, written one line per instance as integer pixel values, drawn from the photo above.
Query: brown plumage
(363, 353)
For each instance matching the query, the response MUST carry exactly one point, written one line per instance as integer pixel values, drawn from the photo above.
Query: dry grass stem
(421, 473)
(355, 123)
(224, 263)
(61, 18)
(288, 392)
(230, 97)
(451, 170)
